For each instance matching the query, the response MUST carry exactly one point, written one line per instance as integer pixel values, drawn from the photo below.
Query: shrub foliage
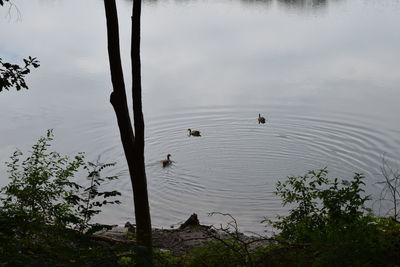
(44, 214)
(329, 223)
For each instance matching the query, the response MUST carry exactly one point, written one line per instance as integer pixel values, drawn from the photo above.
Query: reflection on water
(296, 4)
(328, 85)
(304, 4)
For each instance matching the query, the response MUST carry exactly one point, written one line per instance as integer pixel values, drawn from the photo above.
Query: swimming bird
(260, 119)
(166, 162)
(194, 133)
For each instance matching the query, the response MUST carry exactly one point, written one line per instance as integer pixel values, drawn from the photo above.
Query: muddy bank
(188, 236)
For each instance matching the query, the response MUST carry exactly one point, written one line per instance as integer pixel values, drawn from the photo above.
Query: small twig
(10, 6)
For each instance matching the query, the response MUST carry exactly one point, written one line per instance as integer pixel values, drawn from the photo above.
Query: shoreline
(182, 240)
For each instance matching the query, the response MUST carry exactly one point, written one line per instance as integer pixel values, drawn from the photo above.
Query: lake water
(326, 74)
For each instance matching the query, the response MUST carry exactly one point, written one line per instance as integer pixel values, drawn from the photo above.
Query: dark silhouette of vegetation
(330, 224)
(133, 143)
(45, 216)
(319, 203)
(12, 75)
(391, 190)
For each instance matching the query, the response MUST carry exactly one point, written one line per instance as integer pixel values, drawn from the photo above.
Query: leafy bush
(330, 222)
(43, 212)
(216, 253)
(320, 203)
(13, 75)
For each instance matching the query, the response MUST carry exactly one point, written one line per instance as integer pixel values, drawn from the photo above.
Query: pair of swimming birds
(168, 161)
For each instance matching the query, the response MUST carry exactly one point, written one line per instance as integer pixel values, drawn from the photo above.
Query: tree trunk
(142, 208)
(133, 146)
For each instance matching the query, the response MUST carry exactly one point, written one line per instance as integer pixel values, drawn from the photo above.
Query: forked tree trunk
(133, 146)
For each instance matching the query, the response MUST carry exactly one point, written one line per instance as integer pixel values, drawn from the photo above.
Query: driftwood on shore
(193, 220)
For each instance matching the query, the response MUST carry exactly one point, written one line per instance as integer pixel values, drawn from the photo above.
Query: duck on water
(166, 162)
(193, 132)
(261, 119)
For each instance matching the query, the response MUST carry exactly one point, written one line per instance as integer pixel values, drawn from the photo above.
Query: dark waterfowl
(194, 132)
(166, 162)
(261, 119)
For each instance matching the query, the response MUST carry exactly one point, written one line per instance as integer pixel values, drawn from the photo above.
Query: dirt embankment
(188, 236)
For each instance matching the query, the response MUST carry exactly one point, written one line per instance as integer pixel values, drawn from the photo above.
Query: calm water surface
(324, 73)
